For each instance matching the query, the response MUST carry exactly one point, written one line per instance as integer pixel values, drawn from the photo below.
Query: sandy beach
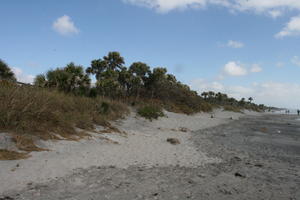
(229, 156)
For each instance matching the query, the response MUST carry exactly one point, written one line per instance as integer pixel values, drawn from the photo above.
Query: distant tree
(139, 69)
(78, 79)
(172, 79)
(242, 102)
(232, 101)
(125, 79)
(5, 72)
(219, 97)
(211, 95)
(250, 99)
(40, 80)
(156, 80)
(140, 72)
(205, 95)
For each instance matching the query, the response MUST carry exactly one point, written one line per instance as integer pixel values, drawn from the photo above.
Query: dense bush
(151, 112)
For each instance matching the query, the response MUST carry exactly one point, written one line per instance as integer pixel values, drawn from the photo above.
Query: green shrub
(104, 109)
(150, 112)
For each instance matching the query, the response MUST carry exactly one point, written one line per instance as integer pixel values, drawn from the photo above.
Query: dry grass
(232, 108)
(12, 155)
(30, 113)
(26, 143)
(195, 106)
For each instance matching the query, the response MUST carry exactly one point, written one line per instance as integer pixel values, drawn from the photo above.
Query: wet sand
(260, 159)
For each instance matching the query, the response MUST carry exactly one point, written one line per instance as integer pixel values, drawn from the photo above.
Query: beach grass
(30, 113)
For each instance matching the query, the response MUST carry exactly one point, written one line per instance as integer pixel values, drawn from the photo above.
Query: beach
(221, 155)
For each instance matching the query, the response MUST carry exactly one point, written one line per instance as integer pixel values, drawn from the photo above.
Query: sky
(245, 48)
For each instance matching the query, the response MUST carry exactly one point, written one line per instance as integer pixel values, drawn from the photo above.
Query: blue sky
(243, 48)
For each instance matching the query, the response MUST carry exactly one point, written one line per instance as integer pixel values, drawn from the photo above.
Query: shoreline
(260, 160)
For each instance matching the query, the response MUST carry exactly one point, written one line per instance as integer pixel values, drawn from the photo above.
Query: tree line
(136, 82)
(223, 100)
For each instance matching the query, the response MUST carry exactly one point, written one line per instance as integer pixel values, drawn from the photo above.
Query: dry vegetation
(12, 155)
(232, 108)
(30, 113)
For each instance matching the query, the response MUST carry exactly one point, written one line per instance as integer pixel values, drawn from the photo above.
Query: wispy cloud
(273, 8)
(296, 61)
(65, 26)
(275, 13)
(280, 64)
(235, 44)
(255, 68)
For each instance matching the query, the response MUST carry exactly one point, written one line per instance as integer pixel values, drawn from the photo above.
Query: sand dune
(144, 144)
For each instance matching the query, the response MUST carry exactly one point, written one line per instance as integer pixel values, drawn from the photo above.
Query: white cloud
(280, 64)
(275, 13)
(168, 5)
(270, 93)
(266, 5)
(272, 8)
(235, 44)
(21, 77)
(201, 85)
(65, 26)
(296, 60)
(255, 68)
(292, 28)
(234, 69)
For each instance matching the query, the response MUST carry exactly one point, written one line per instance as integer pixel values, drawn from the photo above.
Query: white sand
(145, 144)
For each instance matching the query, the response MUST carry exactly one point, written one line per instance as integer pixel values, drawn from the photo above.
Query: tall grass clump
(33, 112)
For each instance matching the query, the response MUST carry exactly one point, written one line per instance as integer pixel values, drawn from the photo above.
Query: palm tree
(112, 62)
(71, 78)
(204, 94)
(156, 80)
(139, 72)
(5, 72)
(211, 94)
(250, 99)
(77, 77)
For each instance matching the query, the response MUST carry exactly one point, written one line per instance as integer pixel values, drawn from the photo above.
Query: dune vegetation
(64, 99)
